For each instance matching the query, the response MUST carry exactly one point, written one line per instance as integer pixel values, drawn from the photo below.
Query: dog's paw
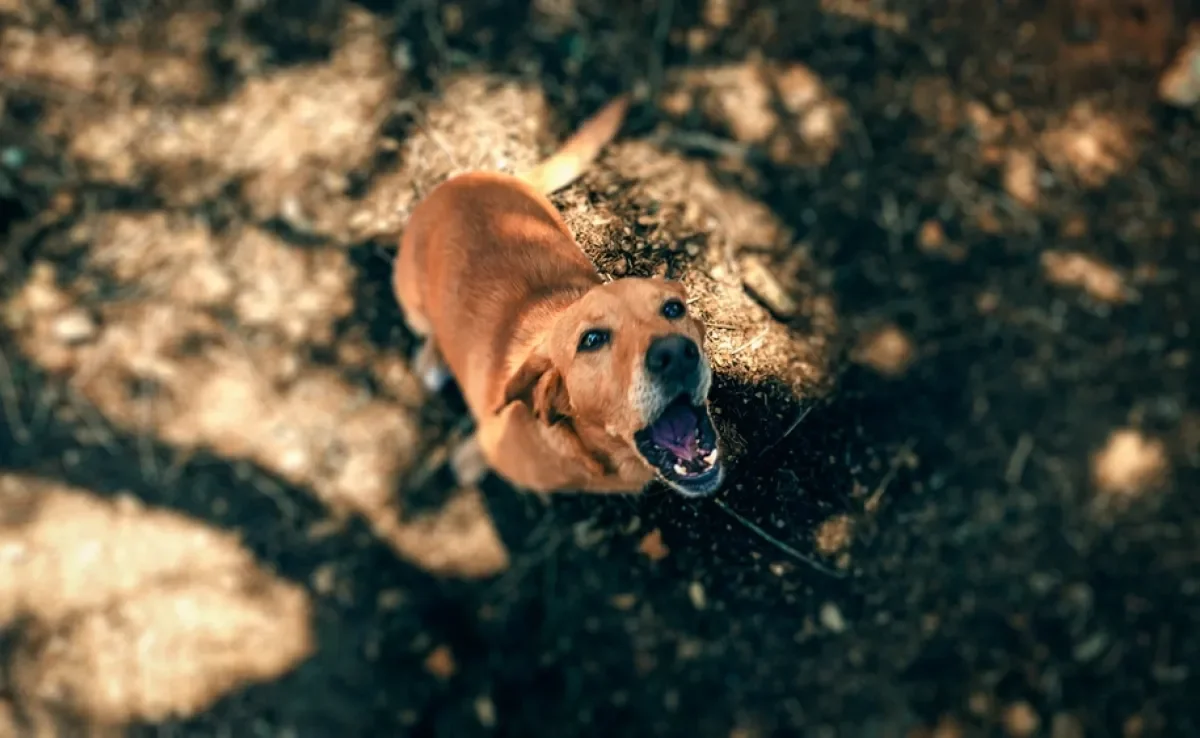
(429, 367)
(435, 379)
(467, 462)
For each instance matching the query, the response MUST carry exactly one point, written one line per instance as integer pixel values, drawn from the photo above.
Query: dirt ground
(948, 254)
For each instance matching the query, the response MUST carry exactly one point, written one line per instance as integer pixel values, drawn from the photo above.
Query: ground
(948, 259)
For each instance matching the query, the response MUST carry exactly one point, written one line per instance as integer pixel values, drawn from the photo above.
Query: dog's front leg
(468, 462)
(430, 367)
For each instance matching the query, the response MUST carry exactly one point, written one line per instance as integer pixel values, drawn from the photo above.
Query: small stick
(145, 441)
(702, 141)
(1016, 462)
(795, 424)
(780, 544)
(12, 402)
(872, 503)
(662, 29)
(407, 107)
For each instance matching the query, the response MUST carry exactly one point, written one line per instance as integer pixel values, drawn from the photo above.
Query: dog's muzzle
(679, 440)
(673, 364)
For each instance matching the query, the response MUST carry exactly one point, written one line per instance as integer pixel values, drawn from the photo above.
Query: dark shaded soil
(988, 584)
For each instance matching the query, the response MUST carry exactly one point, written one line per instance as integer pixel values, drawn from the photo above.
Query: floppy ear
(540, 386)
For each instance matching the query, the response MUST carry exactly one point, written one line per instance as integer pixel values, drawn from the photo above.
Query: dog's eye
(593, 339)
(673, 309)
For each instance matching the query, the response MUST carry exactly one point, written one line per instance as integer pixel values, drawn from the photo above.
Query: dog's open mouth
(682, 446)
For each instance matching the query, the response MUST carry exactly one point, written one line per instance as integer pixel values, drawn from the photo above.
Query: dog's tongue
(676, 431)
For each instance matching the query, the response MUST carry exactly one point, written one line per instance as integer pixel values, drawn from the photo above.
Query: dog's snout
(673, 358)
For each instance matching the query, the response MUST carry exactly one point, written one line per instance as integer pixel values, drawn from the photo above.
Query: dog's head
(627, 361)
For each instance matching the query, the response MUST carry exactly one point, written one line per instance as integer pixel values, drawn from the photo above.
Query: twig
(702, 141)
(872, 502)
(780, 544)
(795, 424)
(418, 117)
(92, 419)
(145, 445)
(1016, 462)
(753, 342)
(12, 402)
(771, 446)
(662, 30)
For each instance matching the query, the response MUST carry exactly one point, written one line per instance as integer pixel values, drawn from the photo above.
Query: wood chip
(766, 288)
(652, 546)
(440, 663)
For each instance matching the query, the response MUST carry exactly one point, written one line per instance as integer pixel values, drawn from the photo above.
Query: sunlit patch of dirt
(1130, 464)
(1020, 719)
(746, 340)
(270, 286)
(459, 539)
(9, 726)
(1180, 82)
(132, 613)
(867, 11)
(1092, 145)
(785, 108)
(888, 350)
(1021, 176)
(652, 546)
(1086, 145)
(935, 101)
(476, 122)
(1189, 436)
(932, 239)
(834, 535)
(288, 138)
(204, 342)
(440, 663)
(554, 16)
(70, 66)
(1082, 271)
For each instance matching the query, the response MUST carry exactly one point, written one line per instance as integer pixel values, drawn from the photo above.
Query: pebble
(760, 280)
(697, 596)
(485, 711)
(74, 326)
(831, 618)
(652, 546)
(1180, 82)
(12, 157)
(1064, 725)
(440, 663)
(1020, 719)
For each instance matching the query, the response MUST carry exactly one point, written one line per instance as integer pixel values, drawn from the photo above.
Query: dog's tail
(580, 150)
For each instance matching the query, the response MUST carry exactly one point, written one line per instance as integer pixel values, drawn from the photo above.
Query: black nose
(672, 358)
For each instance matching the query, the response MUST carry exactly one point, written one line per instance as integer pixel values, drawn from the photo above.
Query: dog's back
(484, 249)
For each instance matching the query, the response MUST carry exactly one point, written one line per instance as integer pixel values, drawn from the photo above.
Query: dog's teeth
(711, 458)
(680, 468)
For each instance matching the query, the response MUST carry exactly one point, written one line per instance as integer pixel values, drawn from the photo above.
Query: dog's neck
(618, 459)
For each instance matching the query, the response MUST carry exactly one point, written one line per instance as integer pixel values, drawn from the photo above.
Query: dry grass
(132, 613)
(1100, 281)
(1130, 464)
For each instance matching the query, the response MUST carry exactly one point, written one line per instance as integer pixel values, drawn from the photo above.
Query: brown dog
(574, 383)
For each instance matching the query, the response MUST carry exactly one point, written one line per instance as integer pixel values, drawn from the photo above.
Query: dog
(574, 383)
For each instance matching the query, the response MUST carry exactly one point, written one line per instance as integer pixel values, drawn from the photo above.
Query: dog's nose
(672, 358)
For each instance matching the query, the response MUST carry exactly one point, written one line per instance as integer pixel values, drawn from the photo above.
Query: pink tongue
(676, 431)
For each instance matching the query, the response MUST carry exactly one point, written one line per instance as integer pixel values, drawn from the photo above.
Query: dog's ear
(538, 384)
